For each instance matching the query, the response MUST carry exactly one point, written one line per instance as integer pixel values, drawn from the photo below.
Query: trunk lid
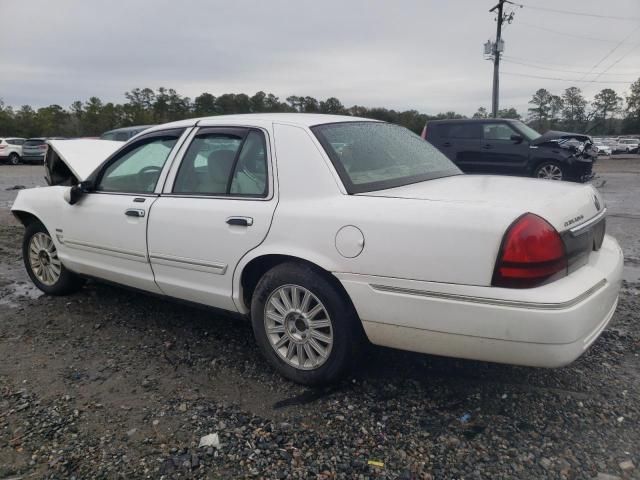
(564, 205)
(71, 161)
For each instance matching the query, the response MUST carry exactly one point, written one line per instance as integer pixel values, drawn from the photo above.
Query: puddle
(11, 294)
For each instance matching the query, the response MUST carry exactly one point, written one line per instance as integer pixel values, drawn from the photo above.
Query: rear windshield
(33, 142)
(373, 155)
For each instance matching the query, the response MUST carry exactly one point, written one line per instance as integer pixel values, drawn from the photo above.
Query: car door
(504, 150)
(105, 233)
(461, 143)
(217, 205)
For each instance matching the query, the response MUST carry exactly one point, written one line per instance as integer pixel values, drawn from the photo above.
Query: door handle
(134, 212)
(240, 221)
(446, 144)
(487, 146)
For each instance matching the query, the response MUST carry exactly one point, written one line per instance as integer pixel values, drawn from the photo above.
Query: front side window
(498, 131)
(373, 156)
(138, 169)
(221, 164)
(528, 132)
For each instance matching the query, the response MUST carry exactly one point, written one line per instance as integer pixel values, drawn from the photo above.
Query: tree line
(146, 106)
(608, 113)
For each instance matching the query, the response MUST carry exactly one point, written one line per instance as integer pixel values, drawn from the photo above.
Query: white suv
(11, 150)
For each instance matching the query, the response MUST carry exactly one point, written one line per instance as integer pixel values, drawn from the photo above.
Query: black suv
(510, 147)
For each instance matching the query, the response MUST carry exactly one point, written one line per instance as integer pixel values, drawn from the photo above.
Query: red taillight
(2, 146)
(532, 253)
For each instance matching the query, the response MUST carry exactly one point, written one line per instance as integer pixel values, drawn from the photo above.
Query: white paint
(440, 235)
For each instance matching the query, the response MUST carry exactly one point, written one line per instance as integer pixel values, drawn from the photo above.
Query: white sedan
(325, 231)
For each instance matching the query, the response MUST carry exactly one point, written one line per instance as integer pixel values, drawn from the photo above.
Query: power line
(611, 51)
(508, 60)
(566, 79)
(558, 32)
(617, 61)
(581, 14)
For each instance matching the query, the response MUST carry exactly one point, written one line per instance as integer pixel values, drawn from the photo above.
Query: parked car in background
(11, 150)
(325, 229)
(125, 133)
(504, 146)
(602, 148)
(627, 145)
(33, 150)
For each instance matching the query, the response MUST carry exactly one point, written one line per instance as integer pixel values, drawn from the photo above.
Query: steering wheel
(146, 175)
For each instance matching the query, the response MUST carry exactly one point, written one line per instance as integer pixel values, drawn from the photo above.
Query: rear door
(217, 205)
(460, 141)
(500, 152)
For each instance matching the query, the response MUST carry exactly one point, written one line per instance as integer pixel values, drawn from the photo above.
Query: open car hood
(71, 161)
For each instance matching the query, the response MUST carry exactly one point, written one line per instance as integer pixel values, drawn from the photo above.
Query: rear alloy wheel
(14, 159)
(549, 171)
(43, 264)
(305, 326)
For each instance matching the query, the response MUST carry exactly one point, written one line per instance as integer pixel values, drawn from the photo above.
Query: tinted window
(137, 170)
(372, 156)
(460, 130)
(210, 167)
(34, 142)
(15, 141)
(498, 131)
(250, 174)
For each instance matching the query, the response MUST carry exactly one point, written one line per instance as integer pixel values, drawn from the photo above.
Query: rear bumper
(32, 158)
(548, 326)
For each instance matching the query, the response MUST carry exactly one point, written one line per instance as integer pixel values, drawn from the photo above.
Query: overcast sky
(422, 54)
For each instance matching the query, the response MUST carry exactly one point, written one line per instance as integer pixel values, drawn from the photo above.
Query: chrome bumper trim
(493, 301)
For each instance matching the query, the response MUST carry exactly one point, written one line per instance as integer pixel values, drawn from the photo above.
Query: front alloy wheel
(43, 265)
(43, 258)
(549, 171)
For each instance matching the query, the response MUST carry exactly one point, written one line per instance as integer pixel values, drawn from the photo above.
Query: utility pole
(496, 59)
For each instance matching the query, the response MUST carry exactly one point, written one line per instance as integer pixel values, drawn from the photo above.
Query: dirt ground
(108, 383)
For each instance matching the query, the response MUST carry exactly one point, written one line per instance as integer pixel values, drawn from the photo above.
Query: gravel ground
(113, 384)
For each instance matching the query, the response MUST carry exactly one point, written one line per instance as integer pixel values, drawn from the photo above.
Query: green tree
(332, 105)
(204, 105)
(481, 113)
(574, 108)
(632, 120)
(605, 105)
(509, 113)
(540, 109)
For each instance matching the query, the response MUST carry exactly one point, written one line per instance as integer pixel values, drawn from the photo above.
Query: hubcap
(298, 327)
(43, 258)
(550, 172)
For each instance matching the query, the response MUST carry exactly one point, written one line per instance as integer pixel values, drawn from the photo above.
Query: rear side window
(15, 141)
(221, 164)
(460, 130)
(497, 131)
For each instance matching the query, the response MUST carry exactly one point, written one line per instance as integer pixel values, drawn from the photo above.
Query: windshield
(527, 131)
(373, 156)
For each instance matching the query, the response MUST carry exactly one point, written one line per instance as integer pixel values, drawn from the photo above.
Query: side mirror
(73, 194)
(517, 138)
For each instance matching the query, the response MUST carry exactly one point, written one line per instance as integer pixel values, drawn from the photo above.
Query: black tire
(549, 166)
(14, 159)
(67, 281)
(347, 337)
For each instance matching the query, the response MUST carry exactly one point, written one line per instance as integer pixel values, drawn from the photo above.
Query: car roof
(472, 120)
(128, 129)
(299, 119)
